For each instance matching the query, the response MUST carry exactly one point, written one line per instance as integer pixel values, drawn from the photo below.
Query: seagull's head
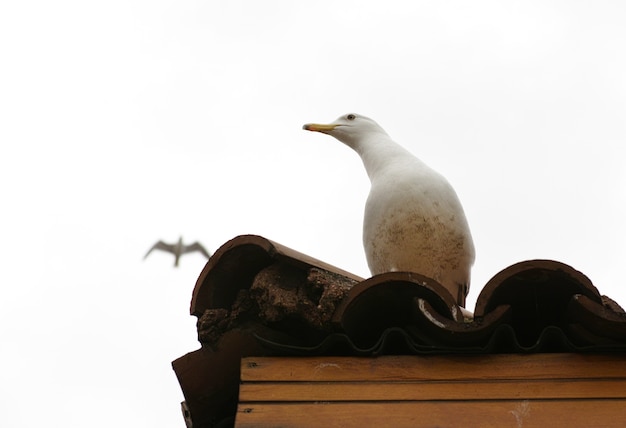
(350, 128)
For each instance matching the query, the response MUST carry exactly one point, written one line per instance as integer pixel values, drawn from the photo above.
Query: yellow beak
(318, 127)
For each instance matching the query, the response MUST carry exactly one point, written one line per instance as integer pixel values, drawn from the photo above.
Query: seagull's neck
(379, 152)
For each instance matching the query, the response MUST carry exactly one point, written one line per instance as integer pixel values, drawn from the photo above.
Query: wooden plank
(410, 391)
(439, 367)
(483, 414)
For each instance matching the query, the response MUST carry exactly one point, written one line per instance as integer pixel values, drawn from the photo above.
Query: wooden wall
(508, 390)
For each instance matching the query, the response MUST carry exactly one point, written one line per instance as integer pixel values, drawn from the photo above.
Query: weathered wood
(482, 414)
(432, 368)
(367, 391)
(535, 390)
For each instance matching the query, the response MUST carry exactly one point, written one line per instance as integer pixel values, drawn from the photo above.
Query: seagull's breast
(414, 222)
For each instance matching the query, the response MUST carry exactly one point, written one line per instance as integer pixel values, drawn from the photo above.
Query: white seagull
(178, 249)
(413, 221)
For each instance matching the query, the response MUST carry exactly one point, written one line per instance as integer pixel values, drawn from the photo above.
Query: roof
(257, 297)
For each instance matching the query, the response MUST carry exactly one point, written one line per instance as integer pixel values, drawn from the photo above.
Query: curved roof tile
(306, 305)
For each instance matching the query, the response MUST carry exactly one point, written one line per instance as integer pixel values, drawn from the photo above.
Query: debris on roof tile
(257, 297)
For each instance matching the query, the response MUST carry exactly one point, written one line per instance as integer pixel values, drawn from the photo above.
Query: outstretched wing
(196, 247)
(163, 247)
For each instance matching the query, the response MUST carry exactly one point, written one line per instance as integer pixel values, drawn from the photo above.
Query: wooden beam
(435, 367)
(368, 391)
(480, 414)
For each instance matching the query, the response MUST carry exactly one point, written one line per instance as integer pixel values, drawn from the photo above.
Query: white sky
(125, 122)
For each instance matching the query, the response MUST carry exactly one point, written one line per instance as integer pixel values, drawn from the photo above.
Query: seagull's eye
(351, 117)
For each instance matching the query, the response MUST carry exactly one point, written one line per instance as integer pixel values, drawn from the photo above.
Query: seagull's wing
(163, 247)
(196, 246)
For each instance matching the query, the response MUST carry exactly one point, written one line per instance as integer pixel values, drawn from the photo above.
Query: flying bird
(178, 249)
(413, 219)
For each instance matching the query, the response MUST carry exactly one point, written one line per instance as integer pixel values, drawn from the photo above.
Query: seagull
(178, 249)
(413, 220)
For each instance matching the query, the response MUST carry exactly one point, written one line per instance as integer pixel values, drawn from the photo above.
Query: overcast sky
(126, 122)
